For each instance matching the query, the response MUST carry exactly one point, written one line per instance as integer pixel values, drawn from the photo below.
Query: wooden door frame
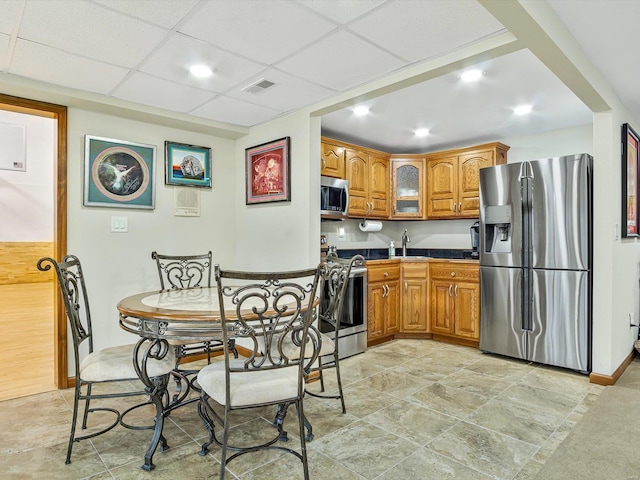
(59, 113)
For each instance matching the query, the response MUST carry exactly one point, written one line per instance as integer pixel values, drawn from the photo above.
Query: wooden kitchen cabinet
(383, 307)
(407, 188)
(454, 292)
(413, 305)
(368, 176)
(452, 177)
(331, 159)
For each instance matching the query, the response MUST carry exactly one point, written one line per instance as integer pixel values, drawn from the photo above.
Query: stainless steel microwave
(334, 198)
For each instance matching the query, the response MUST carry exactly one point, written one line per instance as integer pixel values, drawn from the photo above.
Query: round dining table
(158, 317)
(186, 315)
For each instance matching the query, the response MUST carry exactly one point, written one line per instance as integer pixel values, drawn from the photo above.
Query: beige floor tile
(411, 421)
(449, 400)
(492, 453)
(365, 448)
(427, 464)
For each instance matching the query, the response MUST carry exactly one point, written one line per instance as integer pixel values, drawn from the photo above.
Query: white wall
(27, 198)
(282, 235)
(119, 264)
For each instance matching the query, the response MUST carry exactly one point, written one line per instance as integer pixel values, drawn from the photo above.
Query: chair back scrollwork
(183, 271)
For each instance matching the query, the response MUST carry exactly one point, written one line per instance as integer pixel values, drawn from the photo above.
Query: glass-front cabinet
(408, 187)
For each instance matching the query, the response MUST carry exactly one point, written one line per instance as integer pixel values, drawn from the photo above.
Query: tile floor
(416, 409)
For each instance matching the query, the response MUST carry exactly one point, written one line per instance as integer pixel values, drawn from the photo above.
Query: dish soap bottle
(392, 250)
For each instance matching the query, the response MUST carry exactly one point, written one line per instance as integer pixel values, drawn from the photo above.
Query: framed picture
(267, 172)
(630, 162)
(118, 173)
(187, 165)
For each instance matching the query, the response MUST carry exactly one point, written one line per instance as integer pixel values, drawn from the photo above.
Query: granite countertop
(413, 254)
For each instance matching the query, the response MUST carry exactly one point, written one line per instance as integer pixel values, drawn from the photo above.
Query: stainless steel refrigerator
(536, 260)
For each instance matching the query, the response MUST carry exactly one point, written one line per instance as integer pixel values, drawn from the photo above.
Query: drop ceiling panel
(341, 61)
(4, 52)
(419, 30)
(9, 17)
(343, 11)
(225, 109)
(172, 60)
(49, 65)
(90, 30)
(265, 31)
(164, 13)
(288, 93)
(157, 92)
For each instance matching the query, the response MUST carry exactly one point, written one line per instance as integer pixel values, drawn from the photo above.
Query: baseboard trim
(607, 380)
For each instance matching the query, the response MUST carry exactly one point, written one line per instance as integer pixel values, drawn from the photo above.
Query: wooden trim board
(606, 380)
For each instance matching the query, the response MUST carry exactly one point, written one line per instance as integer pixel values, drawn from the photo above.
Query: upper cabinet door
(332, 160)
(469, 166)
(379, 186)
(357, 172)
(407, 190)
(441, 187)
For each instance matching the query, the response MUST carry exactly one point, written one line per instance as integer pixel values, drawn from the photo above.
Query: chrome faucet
(405, 240)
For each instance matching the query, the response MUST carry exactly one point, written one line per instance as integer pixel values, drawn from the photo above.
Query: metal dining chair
(180, 272)
(264, 309)
(110, 365)
(335, 280)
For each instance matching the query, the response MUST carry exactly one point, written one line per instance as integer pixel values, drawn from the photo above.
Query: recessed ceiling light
(200, 70)
(421, 132)
(361, 110)
(471, 76)
(522, 109)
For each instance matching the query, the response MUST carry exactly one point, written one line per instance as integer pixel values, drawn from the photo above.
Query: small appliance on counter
(474, 230)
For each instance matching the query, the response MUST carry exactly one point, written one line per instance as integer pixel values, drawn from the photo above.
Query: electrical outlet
(341, 234)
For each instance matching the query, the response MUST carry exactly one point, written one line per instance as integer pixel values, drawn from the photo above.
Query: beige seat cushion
(252, 387)
(116, 363)
(292, 351)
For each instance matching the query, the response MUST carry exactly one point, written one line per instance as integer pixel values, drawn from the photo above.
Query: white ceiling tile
(230, 110)
(416, 30)
(88, 29)
(148, 90)
(265, 31)
(341, 61)
(172, 61)
(343, 11)
(288, 93)
(9, 11)
(165, 13)
(4, 52)
(54, 66)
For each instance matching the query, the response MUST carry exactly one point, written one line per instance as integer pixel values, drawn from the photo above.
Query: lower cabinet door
(393, 308)
(376, 310)
(414, 312)
(467, 310)
(441, 313)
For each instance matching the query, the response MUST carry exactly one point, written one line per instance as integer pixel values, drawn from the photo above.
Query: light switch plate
(119, 225)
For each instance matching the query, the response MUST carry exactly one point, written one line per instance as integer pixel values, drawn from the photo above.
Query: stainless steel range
(352, 332)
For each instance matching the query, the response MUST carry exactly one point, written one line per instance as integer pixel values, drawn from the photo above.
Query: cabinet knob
(453, 274)
(385, 274)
